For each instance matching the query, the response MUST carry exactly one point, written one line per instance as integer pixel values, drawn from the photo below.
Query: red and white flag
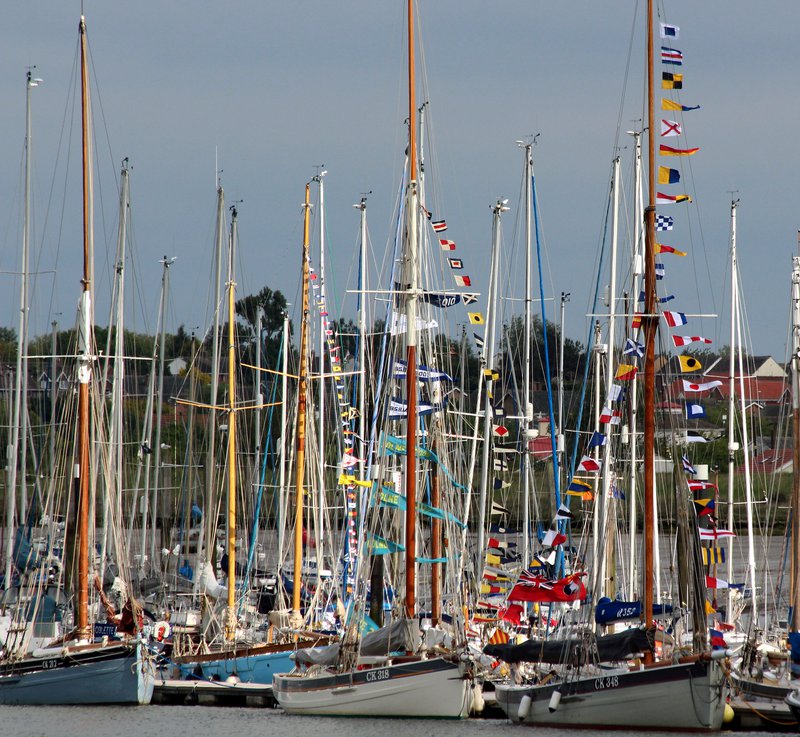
(553, 538)
(447, 245)
(711, 534)
(589, 464)
(689, 386)
(675, 318)
(682, 340)
(716, 583)
(439, 226)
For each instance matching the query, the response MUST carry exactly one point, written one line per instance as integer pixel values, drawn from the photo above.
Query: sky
(267, 92)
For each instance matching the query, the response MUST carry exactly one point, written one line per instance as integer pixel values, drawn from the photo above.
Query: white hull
(433, 688)
(684, 696)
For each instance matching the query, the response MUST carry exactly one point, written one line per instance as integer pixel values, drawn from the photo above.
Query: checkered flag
(663, 222)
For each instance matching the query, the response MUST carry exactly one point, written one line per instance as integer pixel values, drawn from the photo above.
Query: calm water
(199, 721)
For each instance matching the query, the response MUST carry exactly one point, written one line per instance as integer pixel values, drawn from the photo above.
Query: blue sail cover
(609, 611)
(794, 645)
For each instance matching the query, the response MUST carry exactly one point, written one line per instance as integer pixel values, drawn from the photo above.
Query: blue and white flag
(632, 347)
(694, 411)
(660, 271)
(597, 440)
(687, 466)
(664, 222)
(668, 31)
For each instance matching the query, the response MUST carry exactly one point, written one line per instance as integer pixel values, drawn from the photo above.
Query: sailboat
(688, 693)
(79, 670)
(383, 673)
(233, 658)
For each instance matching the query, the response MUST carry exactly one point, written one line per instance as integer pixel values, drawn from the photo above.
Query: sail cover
(575, 651)
(396, 637)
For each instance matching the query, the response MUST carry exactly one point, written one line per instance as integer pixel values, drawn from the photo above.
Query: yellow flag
(689, 364)
(476, 318)
(710, 609)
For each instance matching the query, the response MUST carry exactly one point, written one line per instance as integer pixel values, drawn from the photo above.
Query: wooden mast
(230, 621)
(84, 361)
(300, 452)
(650, 323)
(411, 334)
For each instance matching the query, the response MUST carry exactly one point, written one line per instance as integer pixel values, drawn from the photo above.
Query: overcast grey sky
(277, 88)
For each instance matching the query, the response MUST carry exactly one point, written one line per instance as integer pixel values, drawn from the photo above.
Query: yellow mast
(300, 454)
(230, 622)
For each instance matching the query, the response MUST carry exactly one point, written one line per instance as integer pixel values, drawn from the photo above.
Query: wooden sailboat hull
(683, 696)
(434, 688)
(111, 674)
(249, 666)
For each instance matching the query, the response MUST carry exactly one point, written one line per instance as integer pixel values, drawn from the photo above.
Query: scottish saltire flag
(668, 31)
(671, 56)
(660, 271)
(675, 318)
(694, 411)
(632, 347)
(667, 104)
(687, 466)
(597, 439)
(664, 222)
(668, 176)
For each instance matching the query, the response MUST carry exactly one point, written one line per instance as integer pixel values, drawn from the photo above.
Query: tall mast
(795, 562)
(320, 531)
(606, 587)
(632, 394)
(282, 441)
(230, 623)
(84, 350)
(751, 555)
(115, 439)
(362, 341)
(166, 262)
(258, 398)
(20, 423)
(210, 517)
(494, 299)
(650, 324)
(526, 381)
(411, 333)
(300, 452)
